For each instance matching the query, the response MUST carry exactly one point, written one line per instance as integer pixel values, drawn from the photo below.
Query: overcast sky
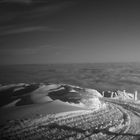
(68, 31)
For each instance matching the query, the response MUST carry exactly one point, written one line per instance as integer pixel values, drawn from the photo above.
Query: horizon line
(69, 63)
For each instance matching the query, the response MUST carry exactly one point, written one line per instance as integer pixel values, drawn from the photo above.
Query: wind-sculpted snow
(115, 121)
(90, 124)
(25, 94)
(66, 112)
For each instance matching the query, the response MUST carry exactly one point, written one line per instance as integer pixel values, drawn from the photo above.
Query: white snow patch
(72, 90)
(77, 105)
(49, 87)
(92, 103)
(12, 104)
(94, 92)
(43, 100)
(18, 89)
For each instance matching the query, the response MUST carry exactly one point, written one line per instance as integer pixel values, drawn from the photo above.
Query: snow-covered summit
(25, 94)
